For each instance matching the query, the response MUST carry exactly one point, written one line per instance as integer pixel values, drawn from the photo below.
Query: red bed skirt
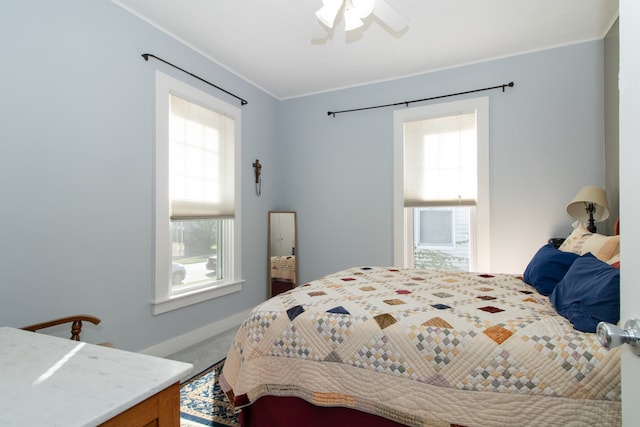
(272, 411)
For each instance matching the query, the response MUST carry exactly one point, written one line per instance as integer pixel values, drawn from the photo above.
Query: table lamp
(589, 205)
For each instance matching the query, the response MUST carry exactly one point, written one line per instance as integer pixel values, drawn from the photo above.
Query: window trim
(480, 246)
(164, 298)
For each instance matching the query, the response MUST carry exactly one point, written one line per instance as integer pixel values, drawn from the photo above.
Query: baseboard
(183, 341)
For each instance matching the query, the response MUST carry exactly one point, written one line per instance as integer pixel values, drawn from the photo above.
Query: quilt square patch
(440, 306)
(442, 295)
(498, 333)
(384, 320)
(338, 310)
(295, 311)
(394, 301)
(437, 322)
(491, 309)
(317, 293)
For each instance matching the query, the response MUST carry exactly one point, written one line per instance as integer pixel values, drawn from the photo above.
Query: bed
(382, 346)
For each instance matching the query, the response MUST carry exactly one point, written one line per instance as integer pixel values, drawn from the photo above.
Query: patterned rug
(203, 403)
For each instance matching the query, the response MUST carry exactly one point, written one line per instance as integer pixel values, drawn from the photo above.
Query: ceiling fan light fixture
(364, 7)
(328, 12)
(352, 19)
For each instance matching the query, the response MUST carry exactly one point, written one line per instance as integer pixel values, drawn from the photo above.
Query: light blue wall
(76, 164)
(76, 170)
(546, 142)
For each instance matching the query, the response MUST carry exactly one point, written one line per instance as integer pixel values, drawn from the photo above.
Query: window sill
(174, 302)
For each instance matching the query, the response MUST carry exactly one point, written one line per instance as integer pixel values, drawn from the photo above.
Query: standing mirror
(283, 264)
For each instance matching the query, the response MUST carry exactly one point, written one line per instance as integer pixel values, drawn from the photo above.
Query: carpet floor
(203, 403)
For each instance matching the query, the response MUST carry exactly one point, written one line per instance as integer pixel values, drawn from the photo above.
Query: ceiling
(279, 45)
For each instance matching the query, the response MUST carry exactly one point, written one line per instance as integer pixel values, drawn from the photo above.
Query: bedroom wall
(76, 171)
(546, 142)
(77, 165)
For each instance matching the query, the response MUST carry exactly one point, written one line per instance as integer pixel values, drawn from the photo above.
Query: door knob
(611, 336)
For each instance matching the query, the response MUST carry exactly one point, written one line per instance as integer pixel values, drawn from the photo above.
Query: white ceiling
(271, 43)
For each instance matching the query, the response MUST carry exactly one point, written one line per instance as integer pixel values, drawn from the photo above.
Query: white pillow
(582, 241)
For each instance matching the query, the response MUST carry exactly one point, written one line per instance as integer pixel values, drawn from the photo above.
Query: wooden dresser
(52, 381)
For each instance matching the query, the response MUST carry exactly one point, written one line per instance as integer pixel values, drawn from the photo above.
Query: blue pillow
(547, 267)
(588, 294)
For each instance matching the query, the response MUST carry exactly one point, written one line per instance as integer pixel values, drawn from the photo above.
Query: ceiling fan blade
(328, 12)
(390, 16)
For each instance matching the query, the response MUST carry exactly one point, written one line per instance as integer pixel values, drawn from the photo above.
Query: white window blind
(440, 161)
(201, 175)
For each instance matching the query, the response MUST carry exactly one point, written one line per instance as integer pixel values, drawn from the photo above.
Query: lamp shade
(591, 194)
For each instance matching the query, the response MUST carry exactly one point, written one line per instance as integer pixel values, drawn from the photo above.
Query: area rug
(203, 403)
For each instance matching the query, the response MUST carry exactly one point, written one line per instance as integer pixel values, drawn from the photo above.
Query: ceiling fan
(357, 10)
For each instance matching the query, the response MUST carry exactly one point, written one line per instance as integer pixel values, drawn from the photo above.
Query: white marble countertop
(51, 381)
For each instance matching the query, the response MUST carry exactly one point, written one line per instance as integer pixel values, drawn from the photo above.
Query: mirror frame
(295, 247)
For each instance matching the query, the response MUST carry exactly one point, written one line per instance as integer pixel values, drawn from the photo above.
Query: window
(441, 186)
(441, 238)
(197, 211)
(434, 227)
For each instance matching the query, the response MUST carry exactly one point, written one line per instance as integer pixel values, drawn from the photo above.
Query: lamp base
(591, 209)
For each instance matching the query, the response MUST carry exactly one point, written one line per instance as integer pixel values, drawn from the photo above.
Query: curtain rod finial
(510, 84)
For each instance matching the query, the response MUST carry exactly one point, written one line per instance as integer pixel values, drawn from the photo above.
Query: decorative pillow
(614, 261)
(547, 267)
(588, 294)
(582, 241)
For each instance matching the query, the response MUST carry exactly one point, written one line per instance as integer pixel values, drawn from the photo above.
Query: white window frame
(165, 298)
(480, 216)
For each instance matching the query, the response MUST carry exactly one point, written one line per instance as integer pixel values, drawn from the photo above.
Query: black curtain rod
(406, 103)
(146, 58)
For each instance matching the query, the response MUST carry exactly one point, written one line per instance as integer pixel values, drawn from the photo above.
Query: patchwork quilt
(426, 347)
